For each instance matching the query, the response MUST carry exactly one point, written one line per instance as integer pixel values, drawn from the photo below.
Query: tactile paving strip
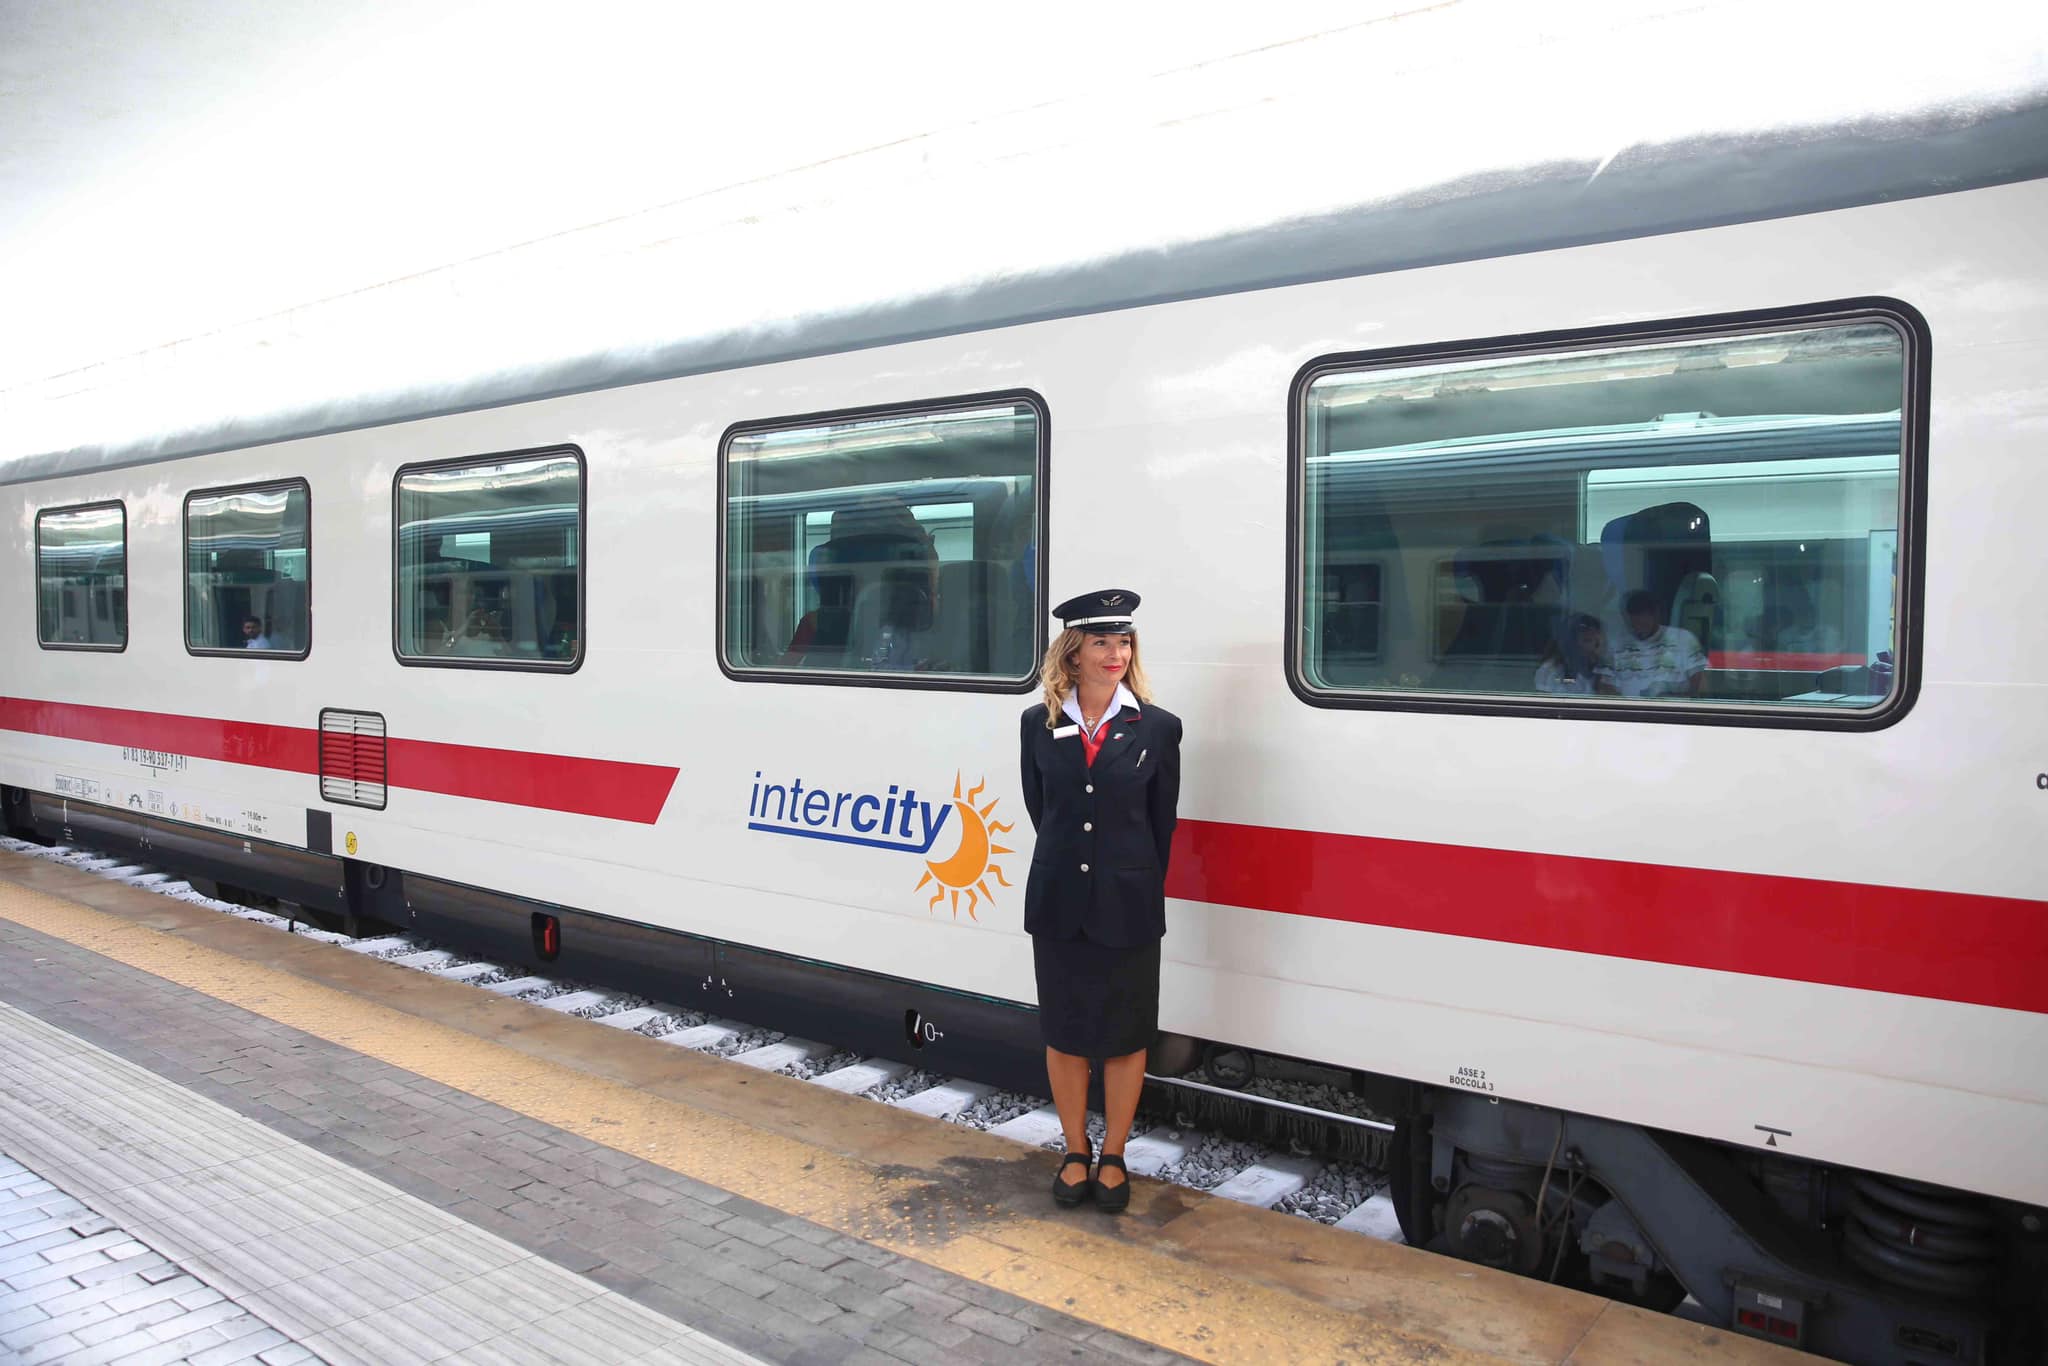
(349, 1267)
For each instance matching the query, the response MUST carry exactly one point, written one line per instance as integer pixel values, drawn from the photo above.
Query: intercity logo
(896, 820)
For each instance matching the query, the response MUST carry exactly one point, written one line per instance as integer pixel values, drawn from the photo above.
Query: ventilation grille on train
(352, 758)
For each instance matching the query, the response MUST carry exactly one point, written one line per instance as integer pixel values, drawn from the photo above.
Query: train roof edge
(1643, 191)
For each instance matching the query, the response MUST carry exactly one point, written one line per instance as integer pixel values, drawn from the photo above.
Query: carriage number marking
(1471, 1078)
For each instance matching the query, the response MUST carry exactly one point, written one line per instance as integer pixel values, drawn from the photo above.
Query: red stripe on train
(610, 788)
(1983, 950)
(201, 737)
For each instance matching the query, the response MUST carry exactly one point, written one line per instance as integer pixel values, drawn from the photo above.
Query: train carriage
(1709, 956)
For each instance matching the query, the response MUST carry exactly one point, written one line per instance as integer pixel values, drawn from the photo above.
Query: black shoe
(1112, 1199)
(1072, 1192)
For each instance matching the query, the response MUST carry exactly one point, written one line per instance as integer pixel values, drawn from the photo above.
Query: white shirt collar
(1117, 700)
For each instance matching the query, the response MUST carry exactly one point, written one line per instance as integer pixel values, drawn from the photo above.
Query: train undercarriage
(1851, 1265)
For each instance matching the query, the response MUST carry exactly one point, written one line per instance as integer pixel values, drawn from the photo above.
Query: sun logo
(968, 869)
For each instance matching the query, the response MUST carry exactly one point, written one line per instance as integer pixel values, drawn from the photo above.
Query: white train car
(1615, 711)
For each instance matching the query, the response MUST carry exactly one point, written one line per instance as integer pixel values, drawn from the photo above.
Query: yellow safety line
(1059, 1264)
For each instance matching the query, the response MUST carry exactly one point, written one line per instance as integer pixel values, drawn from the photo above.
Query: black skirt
(1095, 1001)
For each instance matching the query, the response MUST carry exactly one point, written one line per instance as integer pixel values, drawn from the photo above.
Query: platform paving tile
(373, 1284)
(86, 1303)
(530, 1226)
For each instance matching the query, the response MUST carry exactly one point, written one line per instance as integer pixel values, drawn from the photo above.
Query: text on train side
(890, 820)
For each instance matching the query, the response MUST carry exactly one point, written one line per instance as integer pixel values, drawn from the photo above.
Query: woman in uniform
(1101, 768)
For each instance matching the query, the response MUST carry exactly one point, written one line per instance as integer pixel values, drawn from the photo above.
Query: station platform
(224, 1143)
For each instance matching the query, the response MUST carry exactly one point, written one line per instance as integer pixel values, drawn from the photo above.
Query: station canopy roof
(232, 222)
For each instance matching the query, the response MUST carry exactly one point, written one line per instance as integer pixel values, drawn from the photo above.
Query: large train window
(897, 547)
(248, 570)
(82, 577)
(490, 562)
(1696, 522)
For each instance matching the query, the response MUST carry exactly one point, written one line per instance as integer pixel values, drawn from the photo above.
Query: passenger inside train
(900, 544)
(1459, 516)
(1653, 659)
(490, 561)
(1577, 659)
(247, 561)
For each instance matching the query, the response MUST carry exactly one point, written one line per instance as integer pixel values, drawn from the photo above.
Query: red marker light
(547, 936)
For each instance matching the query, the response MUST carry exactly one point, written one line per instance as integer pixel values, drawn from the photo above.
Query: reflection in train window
(490, 562)
(1348, 608)
(82, 577)
(904, 543)
(1697, 520)
(248, 585)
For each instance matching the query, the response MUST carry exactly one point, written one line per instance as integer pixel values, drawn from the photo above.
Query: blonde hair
(1061, 671)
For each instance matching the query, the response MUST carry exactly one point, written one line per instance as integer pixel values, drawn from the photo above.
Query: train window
(248, 584)
(490, 562)
(82, 577)
(897, 547)
(1708, 523)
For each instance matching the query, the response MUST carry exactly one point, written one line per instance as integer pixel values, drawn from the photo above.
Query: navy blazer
(1104, 832)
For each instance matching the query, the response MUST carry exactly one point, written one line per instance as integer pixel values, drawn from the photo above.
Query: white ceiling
(170, 167)
(173, 171)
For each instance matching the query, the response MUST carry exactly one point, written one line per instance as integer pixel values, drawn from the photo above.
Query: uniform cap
(1105, 612)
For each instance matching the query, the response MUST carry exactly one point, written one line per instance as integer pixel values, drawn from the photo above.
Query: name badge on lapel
(1066, 732)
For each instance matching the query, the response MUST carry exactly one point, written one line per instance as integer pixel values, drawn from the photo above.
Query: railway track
(1296, 1180)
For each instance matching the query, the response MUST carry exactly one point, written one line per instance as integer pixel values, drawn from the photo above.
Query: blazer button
(1084, 867)
(1090, 787)
(1087, 825)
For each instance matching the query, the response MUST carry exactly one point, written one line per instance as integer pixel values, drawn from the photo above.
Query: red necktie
(1092, 744)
